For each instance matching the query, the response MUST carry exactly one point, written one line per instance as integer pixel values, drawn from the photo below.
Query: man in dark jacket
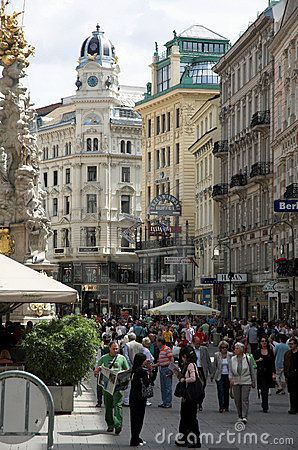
(291, 374)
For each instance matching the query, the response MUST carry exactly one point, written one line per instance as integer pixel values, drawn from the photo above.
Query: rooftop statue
(20, 189)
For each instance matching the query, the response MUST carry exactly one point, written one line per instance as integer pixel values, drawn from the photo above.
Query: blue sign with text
(286, 206)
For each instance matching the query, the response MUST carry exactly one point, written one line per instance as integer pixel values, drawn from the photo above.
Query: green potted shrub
(61, 353)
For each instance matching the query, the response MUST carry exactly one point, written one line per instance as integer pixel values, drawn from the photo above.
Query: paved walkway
(85, 428)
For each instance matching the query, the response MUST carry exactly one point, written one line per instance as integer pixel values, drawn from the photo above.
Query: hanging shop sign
(282, 286)
(130, 233)
(165, 205)
(237, 277)
(168, 278)
(284, 297)
(162, 228)
(178, 260)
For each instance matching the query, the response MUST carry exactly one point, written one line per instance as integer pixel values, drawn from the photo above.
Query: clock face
(92, 81)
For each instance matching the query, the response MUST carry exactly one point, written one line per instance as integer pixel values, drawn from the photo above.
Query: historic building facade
(245, 191)
(182, 81)
(207, 167)
(91, 171)
(284, 49)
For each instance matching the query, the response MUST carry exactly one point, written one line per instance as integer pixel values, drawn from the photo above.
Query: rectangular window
(158, 125)
(163, 157)
(163, 78)
(177, 153)
(124, 241)
(168, 156)
(157, 159)
(250, 66)
(91, 173)
(90, 237)
(91, 203)
(55, 206)
(177, 117)
(163, 123)
(125, 204)
(55, 178)
(279, 71)
(149, 162)
(238, 78)
(45, 179)
(168, 187)
(233, 84)
(169, 121)
(149, 128)
(244, 73)
(55, 238)
(67, 176)
(125, 176)
(66, 205)
(177, 189)
(149, 194)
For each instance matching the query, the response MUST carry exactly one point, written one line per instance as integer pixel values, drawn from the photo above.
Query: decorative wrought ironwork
(238, 180)
(260, 168)
(220, 189)
(220, 147)
(291, 191)
(260, 118)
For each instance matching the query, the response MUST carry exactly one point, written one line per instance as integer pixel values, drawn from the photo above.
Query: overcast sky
(57, 29)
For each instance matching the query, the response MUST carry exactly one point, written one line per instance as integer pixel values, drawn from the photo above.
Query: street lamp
(216, 252)
(285, 222)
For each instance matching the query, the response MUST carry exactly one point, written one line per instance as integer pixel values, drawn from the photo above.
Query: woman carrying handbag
(190, 389)
(266, 376)
(141, 389)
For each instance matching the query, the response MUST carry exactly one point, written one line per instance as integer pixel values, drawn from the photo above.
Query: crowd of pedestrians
(250, 355)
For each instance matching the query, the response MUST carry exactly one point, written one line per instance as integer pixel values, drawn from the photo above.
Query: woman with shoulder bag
(188, 426)
(242, 378)
(221, 375)
(140, 390)
(264, 358)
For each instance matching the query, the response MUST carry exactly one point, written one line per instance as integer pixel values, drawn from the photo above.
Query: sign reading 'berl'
(165, 205)
(286, 206)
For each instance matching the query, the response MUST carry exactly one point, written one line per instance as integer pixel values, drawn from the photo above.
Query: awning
(20, 284)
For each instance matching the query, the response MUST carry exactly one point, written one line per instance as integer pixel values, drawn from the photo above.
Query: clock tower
(97, 88)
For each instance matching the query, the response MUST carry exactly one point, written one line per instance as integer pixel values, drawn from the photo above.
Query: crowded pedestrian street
(85, 429)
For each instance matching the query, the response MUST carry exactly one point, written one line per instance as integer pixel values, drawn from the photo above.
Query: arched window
(202, 73)
(89, 145)
(128, 147)
(95, 144)
(122, 146)
(66, 148)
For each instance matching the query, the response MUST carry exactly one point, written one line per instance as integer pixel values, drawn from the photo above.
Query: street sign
(269, 286)
(168, 278)
(178, 260)
(273, 295)
(282, 287)
(237, 277)
(284, 297)
(286, 206)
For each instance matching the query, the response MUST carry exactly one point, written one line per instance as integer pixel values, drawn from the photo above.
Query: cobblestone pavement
(85, 428)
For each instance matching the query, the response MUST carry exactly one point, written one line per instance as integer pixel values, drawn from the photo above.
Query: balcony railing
(260, 119)
(238, 180)
(260, 169)
(220, 147)
(291, 191)
(164, 242)
(220, 189)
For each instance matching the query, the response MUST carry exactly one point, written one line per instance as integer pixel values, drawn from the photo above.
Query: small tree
(61, 352)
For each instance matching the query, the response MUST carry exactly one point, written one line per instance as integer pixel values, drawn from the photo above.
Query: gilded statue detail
(20, 189)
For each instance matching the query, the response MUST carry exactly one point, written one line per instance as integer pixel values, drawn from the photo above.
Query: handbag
(180, 390)
(195, 391)
(147, 391)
